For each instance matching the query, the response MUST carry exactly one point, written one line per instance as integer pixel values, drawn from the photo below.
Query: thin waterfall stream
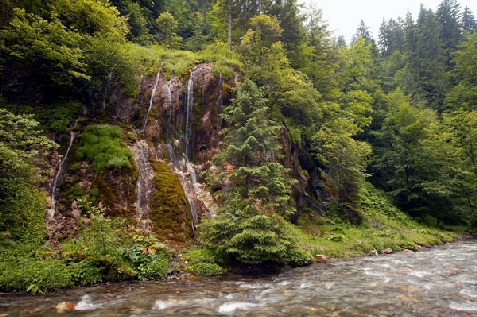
(184, 168)
(59, 173)
(153, 93)
(106, 90)
(144, 183)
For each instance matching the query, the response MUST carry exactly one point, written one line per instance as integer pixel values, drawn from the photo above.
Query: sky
(344, 16)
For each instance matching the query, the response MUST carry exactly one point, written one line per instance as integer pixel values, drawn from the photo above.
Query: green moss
(113, 194)
(170, 215)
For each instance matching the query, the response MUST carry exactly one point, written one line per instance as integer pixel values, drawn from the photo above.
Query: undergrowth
(384, 226)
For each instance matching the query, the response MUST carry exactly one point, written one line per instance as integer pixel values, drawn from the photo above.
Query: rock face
(175, 132)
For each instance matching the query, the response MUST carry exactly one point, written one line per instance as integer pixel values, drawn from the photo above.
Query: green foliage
(102, 145)
(167, 26)
(226, 62)
(148, 265)
(86, 272)
(384, 226)
(22, 150)
(34, 275)
(104, 244)
(201, 261)
(177, 62)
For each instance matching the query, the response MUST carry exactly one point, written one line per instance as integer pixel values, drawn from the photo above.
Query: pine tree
(251, 226)
(468, 21)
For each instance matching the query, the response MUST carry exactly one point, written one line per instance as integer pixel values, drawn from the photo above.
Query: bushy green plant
(148, 263)
(34, 275)
(220, 54)
(102, 145)
(86, 272)
(201, 261)
(177, 62)
(104, 243)
(75, 167)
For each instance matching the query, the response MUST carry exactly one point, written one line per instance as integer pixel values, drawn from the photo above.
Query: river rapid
(441, 281)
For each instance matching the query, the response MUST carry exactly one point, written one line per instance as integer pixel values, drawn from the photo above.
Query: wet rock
(321, 259)
(373, 253)
(407, 251)
(388, 251)
(65, 306)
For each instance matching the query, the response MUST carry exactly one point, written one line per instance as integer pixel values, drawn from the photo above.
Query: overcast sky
(344, 16)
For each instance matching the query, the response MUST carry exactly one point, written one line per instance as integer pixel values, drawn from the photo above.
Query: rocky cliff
(172, 129)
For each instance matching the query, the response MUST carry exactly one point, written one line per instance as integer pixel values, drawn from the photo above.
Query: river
(441, 281)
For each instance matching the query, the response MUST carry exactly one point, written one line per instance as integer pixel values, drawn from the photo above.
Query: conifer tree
(251, 226)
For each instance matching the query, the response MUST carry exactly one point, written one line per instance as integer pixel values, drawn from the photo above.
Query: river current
(441, 281)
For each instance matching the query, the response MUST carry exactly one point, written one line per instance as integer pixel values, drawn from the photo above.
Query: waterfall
(58, 174)
(106, 88)
(189, 115)
(183, 168)
(144, 183)
(153, 93)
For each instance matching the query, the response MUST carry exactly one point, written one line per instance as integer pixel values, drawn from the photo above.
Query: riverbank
(383, 229)
(106, 252)
(440, 282)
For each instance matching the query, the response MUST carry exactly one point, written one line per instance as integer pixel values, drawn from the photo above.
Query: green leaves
(22, 150)
(103, 146)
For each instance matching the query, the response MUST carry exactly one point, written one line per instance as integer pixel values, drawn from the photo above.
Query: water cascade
(59, 173)
(106, 89)
(153, 93)
(184, 167)
(144, 183)
(189, 115)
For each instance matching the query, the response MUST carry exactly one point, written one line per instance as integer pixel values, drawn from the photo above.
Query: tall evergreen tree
(251, 226)
(449, 18)
(468, 21)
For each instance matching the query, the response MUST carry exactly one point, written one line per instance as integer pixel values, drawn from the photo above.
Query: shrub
(148, 263)
(102, 145)
(86, 272)
(201, 262)
(34, 275)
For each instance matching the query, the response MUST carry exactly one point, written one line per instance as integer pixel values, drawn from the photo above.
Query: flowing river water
(438, 282)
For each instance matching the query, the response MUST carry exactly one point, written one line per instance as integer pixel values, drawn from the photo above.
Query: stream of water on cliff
(440, 282)
(59, 174)
(153, 93)
(183, 167)
(144, 183)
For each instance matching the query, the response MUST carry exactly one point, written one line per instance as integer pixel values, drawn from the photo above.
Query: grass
(384, 226)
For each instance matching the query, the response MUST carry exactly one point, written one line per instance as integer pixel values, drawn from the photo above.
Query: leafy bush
(102, 145)
(201, 262)
(86, 272)
(103, 243)
(148, 263)
(34, 275)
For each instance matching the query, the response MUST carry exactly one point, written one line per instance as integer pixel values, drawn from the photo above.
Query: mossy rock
(170, 215)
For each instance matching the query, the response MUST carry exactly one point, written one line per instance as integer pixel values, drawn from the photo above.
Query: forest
(326, 148)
